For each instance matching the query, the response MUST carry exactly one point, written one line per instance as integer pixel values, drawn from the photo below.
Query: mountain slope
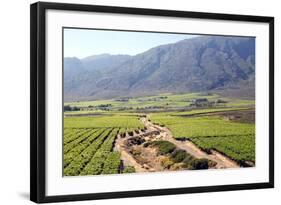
(197, 64)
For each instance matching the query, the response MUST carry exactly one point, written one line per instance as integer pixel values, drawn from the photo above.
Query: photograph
(145, 101)
(138, 102)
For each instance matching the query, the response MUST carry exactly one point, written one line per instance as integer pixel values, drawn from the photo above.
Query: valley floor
(158, 133)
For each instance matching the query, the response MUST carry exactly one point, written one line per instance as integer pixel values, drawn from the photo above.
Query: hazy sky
(85, 42)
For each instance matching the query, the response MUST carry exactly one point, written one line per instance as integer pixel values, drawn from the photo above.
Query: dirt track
(165, 134)
(126, 157)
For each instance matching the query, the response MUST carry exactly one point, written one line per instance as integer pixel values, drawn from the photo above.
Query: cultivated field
(164, 132)
(212, 131)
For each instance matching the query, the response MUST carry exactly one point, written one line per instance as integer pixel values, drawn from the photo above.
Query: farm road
(165, 134)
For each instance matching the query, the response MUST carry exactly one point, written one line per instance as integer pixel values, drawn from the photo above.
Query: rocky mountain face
(196, 64)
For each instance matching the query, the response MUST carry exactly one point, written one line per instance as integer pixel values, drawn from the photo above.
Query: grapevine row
(78, 140)
(95, 166)
(70, 156)
(79, 162)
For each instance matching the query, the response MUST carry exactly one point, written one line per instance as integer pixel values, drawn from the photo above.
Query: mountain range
(203, 63)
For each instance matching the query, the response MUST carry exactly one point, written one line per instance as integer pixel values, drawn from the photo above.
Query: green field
(160, 102)
(103, 121)
(91, 130)
(88, 143)
(236, 140)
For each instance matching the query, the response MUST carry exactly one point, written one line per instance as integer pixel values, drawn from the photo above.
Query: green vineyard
(240, 148)
(88, 143)
(90, 146)
(234, 139)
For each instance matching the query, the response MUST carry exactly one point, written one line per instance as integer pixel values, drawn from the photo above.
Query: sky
(82, 43)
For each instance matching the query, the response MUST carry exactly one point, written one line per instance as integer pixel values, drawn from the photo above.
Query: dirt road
(126, 157)
(155, 132)
(165, 134)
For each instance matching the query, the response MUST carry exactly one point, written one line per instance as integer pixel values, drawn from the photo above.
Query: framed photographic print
(129, 102)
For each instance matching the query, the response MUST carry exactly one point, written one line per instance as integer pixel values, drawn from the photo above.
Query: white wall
(14, 102)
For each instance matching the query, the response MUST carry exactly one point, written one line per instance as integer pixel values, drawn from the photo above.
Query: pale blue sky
(81, 43)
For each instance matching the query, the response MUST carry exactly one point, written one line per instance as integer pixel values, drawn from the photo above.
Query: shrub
(164, 147)
(136, 141)
(135, 152)
(188, 158)
(211, 163)
(129, 169)
(166, 162)
(141, 160)
(221, 101)
(199, 164)
(67, 108)
(75, 108)
(178, 155)
(176, 166)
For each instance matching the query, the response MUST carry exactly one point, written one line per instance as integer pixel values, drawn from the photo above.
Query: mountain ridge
(190, 65)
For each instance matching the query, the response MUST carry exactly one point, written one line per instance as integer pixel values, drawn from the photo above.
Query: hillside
(196, 64)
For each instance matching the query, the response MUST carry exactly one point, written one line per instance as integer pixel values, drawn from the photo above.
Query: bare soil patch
(242, 116)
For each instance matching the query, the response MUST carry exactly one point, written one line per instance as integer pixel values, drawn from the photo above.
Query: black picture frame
(38, 101)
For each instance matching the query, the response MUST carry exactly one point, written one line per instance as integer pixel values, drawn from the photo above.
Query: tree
(67, 108)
